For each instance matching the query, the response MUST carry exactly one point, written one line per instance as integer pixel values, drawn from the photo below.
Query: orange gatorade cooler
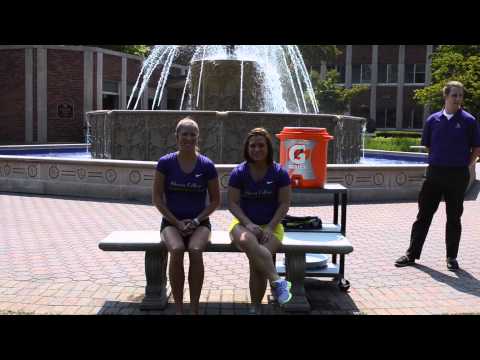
(303, 153)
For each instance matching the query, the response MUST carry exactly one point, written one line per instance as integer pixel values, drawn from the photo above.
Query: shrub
(391, 144)
(398, 134)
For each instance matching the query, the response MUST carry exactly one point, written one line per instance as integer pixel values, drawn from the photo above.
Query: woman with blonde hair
(182, 181)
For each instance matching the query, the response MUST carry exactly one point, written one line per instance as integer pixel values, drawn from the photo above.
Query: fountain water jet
(229, 89)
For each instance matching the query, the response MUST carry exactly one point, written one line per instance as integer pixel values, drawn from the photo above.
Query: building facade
(45, 90)
(392, 74)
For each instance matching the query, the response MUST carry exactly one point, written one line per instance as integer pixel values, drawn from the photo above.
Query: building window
(386, 118)
(414, 73)
(340, 69)
(111, 95)
(413, 118)
(387, 73)
(361, 73)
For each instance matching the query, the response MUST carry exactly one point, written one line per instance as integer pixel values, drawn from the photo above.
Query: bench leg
(295, 264)
(156, 274)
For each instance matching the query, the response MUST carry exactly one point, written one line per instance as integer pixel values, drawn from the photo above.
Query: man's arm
(475, 155)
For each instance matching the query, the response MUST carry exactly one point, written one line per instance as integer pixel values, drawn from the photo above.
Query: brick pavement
(50, 262)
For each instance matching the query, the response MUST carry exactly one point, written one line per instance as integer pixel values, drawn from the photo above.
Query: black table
(339, 193)
(340, 198)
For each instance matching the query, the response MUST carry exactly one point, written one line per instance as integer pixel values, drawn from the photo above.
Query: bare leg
(258, 286)
(260, 256)
(176, 273)
(198, 243)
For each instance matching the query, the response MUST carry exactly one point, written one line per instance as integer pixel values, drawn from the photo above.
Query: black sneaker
(404, 261)
(452, 264)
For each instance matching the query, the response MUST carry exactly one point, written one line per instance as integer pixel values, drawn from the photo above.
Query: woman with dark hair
(259, 198)
(181, 183)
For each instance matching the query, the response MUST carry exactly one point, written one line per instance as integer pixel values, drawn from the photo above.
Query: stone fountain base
(148, 135)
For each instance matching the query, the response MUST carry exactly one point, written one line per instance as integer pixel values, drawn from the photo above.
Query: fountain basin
(133, 180)
(147, 135)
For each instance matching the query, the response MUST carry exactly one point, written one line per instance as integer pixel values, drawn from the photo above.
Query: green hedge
(398, 134)
(391, 144)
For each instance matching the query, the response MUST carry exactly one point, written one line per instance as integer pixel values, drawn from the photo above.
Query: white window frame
(111, 92)
(361, 74)
(389, 81)
(411, 118)
(104, 92)
(415, 83)
(384, 120)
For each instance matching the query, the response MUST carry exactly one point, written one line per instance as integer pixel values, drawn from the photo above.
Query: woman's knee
(177, 251)
(195, 253)
(198, 243)
(173, 241)
(273, 246)
(245, 241)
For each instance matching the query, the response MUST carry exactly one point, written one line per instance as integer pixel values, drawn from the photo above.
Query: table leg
(344, 214)
(335, 208)
(343, 283)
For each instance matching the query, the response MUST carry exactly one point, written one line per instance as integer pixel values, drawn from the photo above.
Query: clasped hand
(263, 235)
(186, 227)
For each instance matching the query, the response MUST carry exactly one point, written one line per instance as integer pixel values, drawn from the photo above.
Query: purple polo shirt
(259, 200)
(186, 193)
(450, 141)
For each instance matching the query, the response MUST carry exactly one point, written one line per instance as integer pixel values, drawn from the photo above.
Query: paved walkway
(50, 262)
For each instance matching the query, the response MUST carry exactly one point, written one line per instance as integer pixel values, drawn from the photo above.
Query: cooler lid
(315, 131)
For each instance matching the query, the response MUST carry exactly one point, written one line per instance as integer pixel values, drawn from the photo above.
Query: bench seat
(320, 243)
(295, 245)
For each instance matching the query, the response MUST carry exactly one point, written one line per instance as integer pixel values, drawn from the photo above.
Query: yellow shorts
(278, 231)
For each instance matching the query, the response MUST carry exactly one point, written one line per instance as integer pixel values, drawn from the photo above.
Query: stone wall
(133, 180)
(147, 135)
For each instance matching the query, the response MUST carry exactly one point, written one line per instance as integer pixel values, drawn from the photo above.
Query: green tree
(333, 98)
(140, 50)
(314, 54)
(453, 62)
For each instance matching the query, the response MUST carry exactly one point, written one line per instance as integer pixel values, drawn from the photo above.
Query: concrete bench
(295, 245)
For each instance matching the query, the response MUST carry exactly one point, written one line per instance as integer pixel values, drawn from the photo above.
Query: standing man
(452, 137)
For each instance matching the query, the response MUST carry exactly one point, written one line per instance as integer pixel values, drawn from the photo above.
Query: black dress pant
(451, 183)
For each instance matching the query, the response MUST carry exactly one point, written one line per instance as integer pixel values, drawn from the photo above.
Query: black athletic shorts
(205, 223)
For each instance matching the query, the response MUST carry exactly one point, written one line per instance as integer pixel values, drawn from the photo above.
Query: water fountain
(229, 89)
(252, 86)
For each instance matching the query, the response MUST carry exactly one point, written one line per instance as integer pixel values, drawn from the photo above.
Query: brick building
(45, 90)
(392, 73)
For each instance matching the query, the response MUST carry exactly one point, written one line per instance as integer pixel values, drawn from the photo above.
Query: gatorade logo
(298, 154)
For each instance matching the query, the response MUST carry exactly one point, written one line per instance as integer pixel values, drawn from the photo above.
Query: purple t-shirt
(450, 141)
(186, 194)
(259, 200)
